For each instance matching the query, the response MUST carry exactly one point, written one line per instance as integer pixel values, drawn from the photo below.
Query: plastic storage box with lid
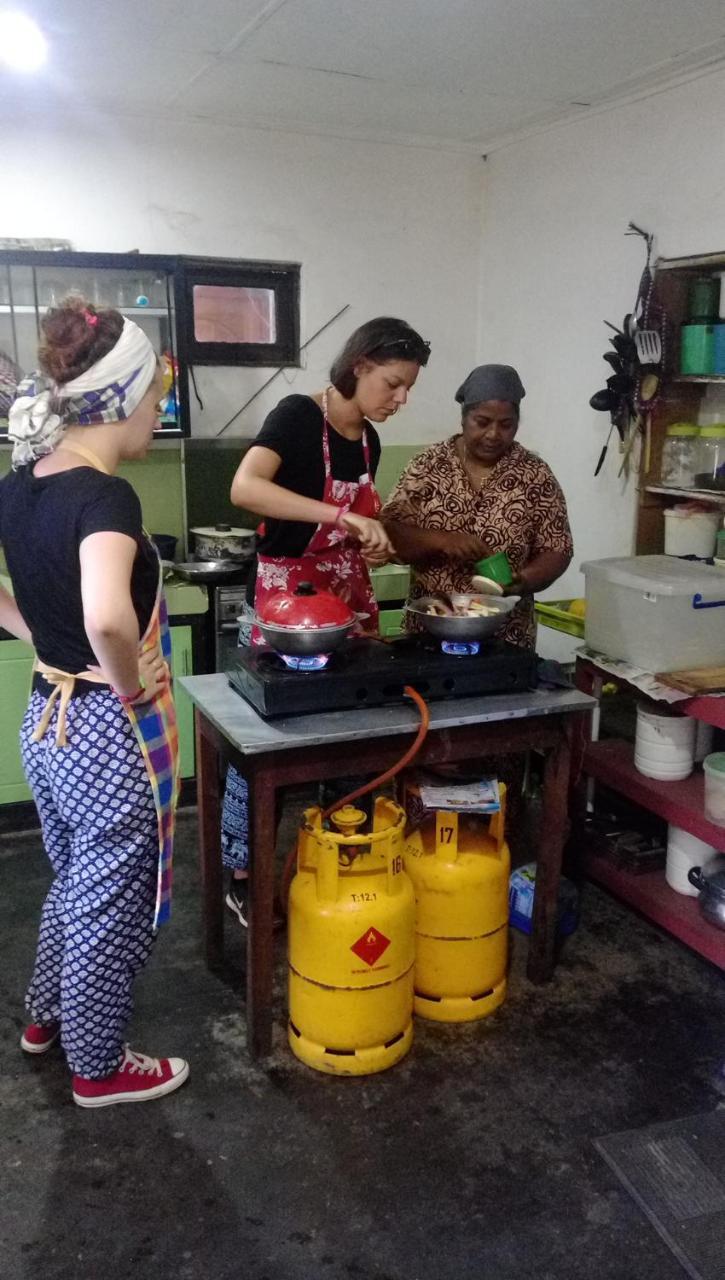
(656, 612)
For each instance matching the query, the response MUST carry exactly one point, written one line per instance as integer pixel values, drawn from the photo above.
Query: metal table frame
(273, 755)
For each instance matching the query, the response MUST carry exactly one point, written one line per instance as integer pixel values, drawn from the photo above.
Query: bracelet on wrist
(341, 513)
(131, 697)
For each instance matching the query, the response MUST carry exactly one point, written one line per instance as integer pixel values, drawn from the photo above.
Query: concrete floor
(473, 1158)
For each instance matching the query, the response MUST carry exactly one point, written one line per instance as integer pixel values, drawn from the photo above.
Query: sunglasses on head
(408, 349)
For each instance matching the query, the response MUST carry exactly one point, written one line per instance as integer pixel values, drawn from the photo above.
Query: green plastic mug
(496, 568)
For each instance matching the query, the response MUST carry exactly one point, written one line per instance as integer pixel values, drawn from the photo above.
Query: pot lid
(222, 531)
(305, 609)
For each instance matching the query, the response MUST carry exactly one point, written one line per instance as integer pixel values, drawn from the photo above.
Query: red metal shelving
(682, 803)
(652, 896)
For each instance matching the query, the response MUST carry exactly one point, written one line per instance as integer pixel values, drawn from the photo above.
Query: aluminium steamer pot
(222, 542)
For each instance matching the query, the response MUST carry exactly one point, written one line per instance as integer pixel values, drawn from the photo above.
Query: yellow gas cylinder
(351, 930)
(459, 865)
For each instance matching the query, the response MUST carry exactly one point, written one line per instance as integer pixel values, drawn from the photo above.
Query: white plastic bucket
(664, 745)
(714, 770)
(683, 852)
(690, 533)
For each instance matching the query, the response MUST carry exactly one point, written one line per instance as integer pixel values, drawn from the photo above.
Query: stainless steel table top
(250, 734)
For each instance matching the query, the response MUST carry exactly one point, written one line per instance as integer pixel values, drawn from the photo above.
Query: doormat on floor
(676, 1174)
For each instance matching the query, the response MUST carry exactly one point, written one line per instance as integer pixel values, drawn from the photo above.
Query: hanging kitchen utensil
(623, 346)
(647, 389)
(602, 455)
(620, 384)
(649, 346)
(634, 431)
(636, 361)
(605, 401)
(614, 361)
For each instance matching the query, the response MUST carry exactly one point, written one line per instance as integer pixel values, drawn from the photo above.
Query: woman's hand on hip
(153, 672)
(153, 675)
(374, 541)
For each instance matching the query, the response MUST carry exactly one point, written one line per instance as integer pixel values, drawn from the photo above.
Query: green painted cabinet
(182, 664)
(16, 661)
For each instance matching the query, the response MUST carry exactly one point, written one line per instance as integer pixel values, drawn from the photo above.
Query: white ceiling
(461, 73)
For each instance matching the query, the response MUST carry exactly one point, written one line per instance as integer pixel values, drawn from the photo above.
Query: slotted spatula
(649, 346)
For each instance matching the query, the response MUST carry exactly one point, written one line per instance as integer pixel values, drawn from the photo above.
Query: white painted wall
(389, 229)
(556, 264)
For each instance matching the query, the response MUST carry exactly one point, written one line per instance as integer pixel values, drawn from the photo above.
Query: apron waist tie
(63, 683)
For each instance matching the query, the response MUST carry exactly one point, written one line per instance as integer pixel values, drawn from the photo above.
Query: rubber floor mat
(676, 1174)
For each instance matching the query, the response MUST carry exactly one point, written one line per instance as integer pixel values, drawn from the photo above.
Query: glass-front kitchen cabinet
(145, 288)
(210, 311)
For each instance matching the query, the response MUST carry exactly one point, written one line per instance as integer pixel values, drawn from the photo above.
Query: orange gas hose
(407, 757)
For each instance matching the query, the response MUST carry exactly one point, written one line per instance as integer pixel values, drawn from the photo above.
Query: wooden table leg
(210, 853)
(552, 835)
(260, 942)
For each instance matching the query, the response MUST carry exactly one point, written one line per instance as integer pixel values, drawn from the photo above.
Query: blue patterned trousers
(100, 832)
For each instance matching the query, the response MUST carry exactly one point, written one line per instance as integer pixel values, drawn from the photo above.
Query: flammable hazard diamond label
(370, 946)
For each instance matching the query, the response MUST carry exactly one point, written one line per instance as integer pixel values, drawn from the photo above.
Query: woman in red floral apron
(310, 474)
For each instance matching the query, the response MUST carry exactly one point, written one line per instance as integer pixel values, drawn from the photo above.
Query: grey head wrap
(491, 382)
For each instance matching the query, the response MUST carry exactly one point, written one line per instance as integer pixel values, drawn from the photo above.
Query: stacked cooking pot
(221, 554)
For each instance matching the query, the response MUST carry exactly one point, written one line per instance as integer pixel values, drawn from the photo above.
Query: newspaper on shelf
(645, 681)
(471, 797)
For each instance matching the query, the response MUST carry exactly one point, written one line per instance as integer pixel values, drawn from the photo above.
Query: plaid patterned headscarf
(107, 392)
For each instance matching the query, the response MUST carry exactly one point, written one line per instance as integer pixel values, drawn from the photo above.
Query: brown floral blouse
(520, 509)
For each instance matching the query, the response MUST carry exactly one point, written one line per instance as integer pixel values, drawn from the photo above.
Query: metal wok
(304, 641)
(210, 572)
(454, 627)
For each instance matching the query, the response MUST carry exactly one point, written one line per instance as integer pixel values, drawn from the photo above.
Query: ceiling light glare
(23, 47)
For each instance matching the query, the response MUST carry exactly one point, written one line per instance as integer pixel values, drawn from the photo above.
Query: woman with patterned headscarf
(99, 740)
(478, 493)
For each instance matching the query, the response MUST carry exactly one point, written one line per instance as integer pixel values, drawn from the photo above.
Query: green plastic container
(703, 298)
(697, 349)
(496, 568)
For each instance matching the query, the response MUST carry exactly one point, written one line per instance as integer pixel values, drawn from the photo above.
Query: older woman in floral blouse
(477, 493)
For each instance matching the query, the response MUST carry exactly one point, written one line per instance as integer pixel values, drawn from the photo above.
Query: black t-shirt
(294, 430)
(43, 521)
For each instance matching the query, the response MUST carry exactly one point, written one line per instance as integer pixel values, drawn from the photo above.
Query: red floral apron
(332, 560)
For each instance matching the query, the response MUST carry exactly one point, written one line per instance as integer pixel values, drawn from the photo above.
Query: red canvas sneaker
(37, 1039)
(138, 1079)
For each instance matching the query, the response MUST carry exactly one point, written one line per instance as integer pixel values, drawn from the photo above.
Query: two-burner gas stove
(373, 673)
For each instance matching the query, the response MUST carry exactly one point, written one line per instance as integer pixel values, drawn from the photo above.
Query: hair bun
(76, 335)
